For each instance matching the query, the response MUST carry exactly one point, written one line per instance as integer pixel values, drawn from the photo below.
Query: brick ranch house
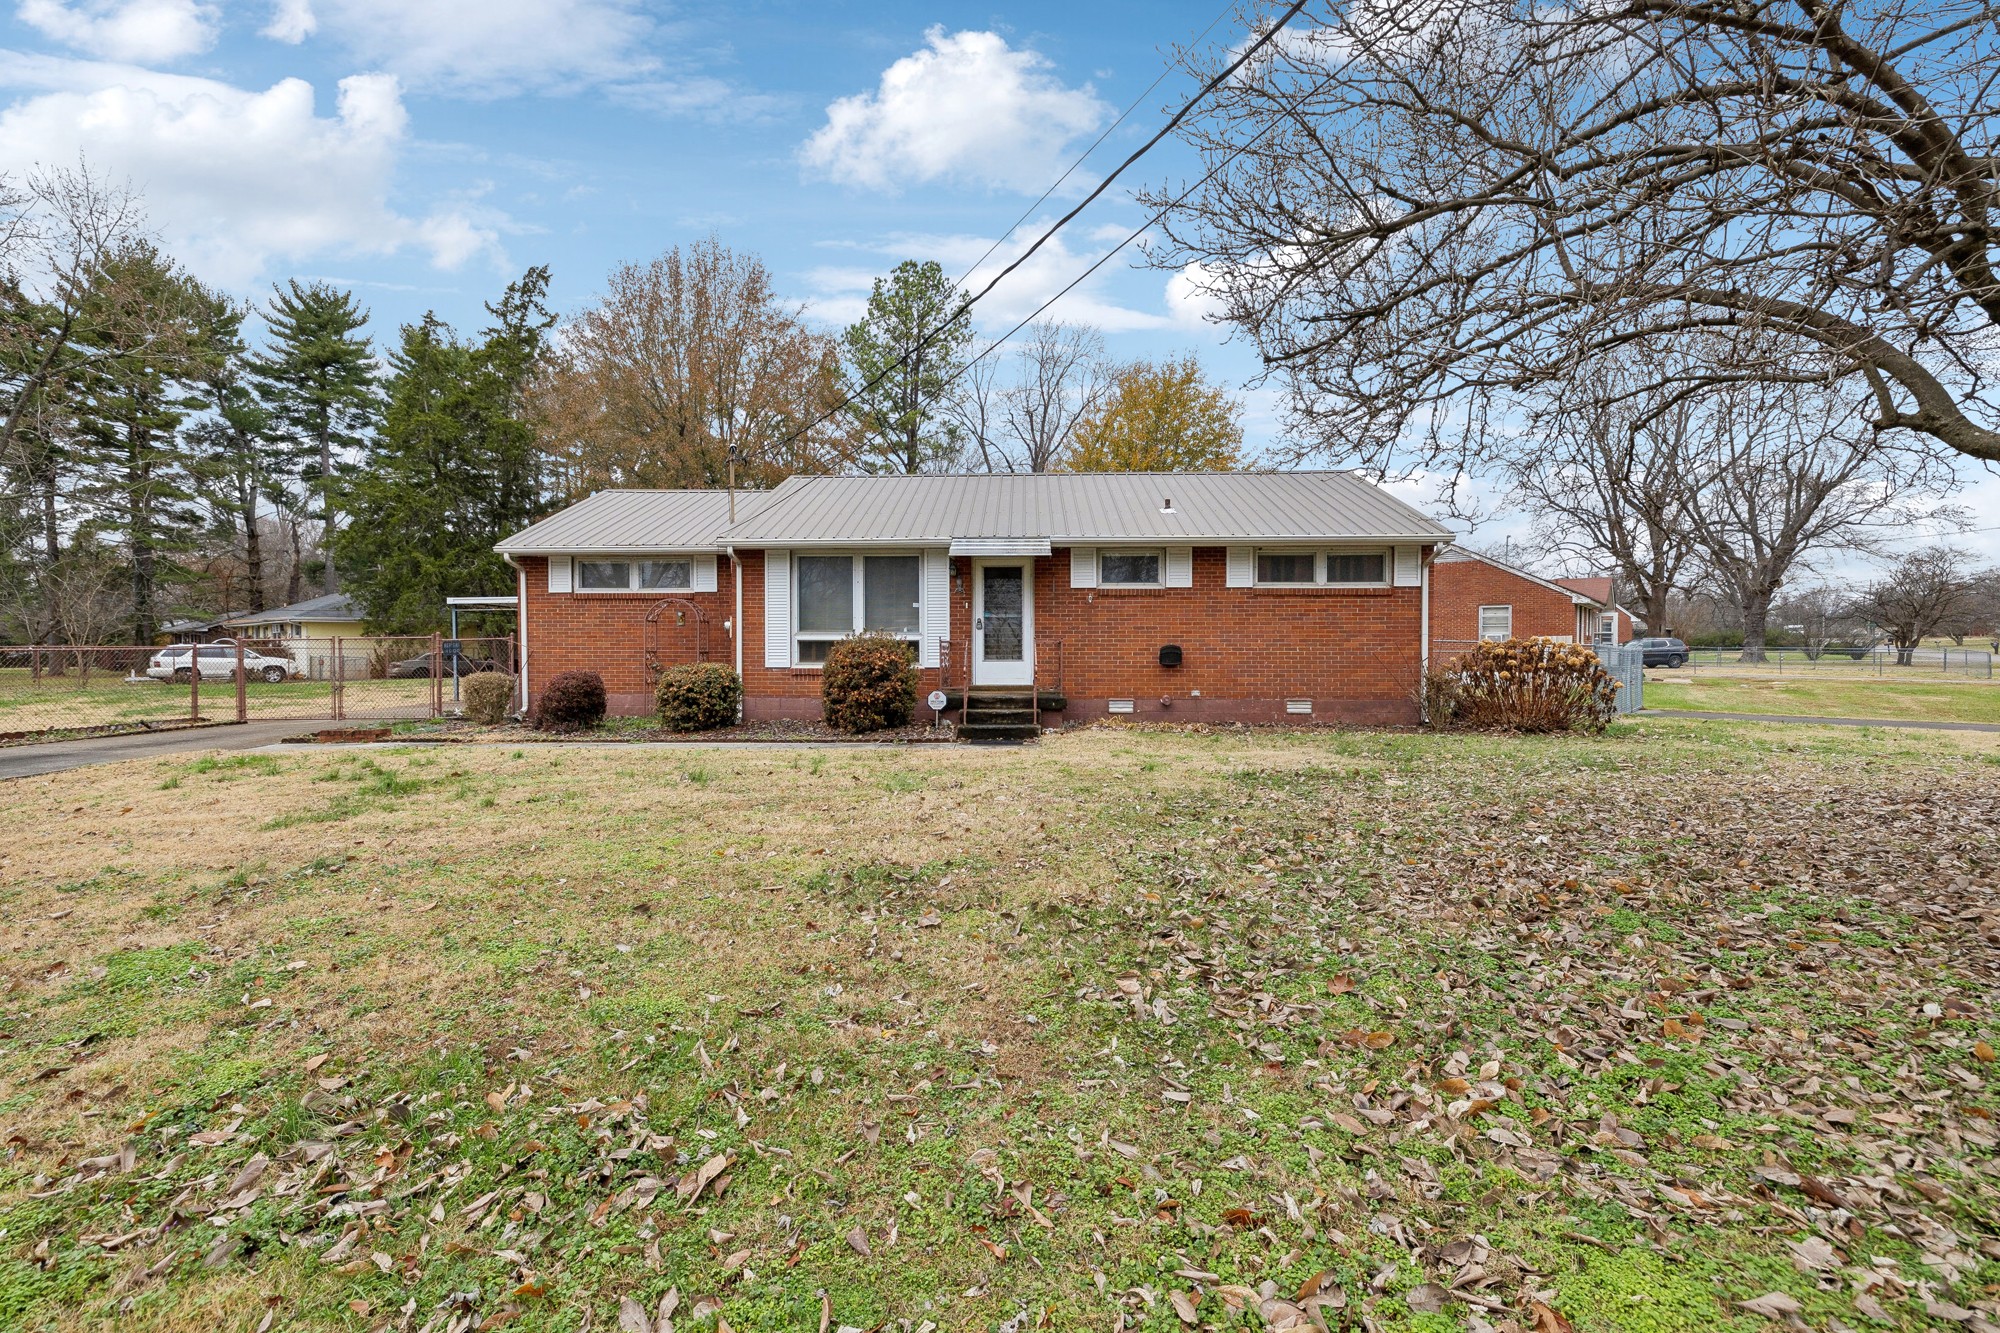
(1212, 597)
(1475, 596)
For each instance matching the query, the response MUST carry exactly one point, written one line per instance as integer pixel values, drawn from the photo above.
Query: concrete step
(998, 731)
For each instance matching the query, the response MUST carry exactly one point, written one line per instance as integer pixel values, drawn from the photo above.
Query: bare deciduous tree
(1919, 595)
(1420, 212)
(1062, 377)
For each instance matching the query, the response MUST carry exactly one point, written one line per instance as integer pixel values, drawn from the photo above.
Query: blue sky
(424, 152)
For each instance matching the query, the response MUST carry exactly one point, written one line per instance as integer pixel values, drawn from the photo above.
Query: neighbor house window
(843, 595)
(1129, 569)
(666, 574)
(1607, 627)
(1331, 569)
(1496, 622)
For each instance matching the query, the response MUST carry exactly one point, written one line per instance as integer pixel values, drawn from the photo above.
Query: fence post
(35, 663)
(242, 689)
(194, 682)
(339, 680)
(437, 674)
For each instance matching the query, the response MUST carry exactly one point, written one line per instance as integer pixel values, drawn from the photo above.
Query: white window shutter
(559, 573)
(935, 616)
(1242, 567)
(1409, 566)
(704, 574)
(1083, 566)
(777, 608)
(1180, 566)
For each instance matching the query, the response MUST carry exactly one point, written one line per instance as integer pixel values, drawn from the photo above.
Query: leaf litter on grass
(1495, 1043)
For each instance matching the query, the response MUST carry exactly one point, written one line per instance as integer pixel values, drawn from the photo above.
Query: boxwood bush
(488, 697)
(573, 701)
(700, 696)
(869, 684)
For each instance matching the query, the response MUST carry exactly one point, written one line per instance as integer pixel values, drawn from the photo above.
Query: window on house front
(1496, 622)
(603, 575)
(1129, 569)
(1333, 569)
(843, 595)
(1287, 567)
(665, 575)
(1607, 627)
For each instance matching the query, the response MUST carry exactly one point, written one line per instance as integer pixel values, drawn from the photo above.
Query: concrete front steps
(1002, 714)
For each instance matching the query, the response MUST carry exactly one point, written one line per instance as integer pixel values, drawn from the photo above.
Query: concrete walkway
(24, 761)
(1906, 723)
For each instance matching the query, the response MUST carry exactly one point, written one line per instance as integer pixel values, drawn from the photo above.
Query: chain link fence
(1965, 663)
(53, 692)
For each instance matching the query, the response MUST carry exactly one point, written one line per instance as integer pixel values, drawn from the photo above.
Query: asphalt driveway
(24, 761)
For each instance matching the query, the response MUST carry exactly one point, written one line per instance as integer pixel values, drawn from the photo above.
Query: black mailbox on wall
(1170, 656)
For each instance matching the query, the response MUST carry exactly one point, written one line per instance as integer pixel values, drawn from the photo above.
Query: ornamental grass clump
(699, 696)
(573, 701)
(1535, 686)
(488, 697)
(869, 684)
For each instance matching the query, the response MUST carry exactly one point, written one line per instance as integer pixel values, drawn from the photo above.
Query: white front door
(1003, 622)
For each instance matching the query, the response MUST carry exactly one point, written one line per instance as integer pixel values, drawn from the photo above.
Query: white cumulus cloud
(967, 107)
(146, 31)
(236, 180)
(292, 21)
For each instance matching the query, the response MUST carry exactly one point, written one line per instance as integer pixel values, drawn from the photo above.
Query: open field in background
(1112, 1031)
(1826, 696)
(106, 698)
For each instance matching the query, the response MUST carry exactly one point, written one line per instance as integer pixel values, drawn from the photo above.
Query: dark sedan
(422, 667)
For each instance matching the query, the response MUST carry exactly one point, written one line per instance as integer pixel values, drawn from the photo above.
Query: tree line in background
(167, 450)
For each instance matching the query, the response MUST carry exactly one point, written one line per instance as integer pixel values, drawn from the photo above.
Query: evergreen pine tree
(899, 388)
(318, 382)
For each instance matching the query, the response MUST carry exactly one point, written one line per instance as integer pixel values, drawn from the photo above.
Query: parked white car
(217, 662)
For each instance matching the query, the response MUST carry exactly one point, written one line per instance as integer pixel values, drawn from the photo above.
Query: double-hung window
(1496, 623)
(843, 595)
(1293, 567)
(660, 574)
(1131, 569)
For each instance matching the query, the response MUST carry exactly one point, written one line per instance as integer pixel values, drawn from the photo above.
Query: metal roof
(1066, 508)
(612, 521)
(1083, 507)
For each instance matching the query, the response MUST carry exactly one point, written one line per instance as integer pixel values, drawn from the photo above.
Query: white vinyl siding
(937, 605)
(777, 608)
(1083, 566)
(1496, 622)
(1242, 567)
(1180, 566)
(559, 573)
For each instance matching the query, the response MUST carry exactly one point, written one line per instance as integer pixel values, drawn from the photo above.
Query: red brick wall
(1353, 652)
(605, 632)
(1460, 587)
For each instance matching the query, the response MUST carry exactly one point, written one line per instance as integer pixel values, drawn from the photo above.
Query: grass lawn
(106, 698)
(1927, 701)
(1130, 1029)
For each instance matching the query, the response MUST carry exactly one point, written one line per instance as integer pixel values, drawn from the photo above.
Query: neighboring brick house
(1211, 597)
(1614, 622)
(1474, 597)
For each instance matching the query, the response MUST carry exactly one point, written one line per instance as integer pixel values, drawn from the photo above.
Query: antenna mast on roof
(733, 456)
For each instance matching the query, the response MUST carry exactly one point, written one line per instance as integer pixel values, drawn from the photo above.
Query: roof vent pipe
(1167, 504)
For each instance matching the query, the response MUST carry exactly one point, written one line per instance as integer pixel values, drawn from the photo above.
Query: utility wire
(965, 306)
(1097, 143)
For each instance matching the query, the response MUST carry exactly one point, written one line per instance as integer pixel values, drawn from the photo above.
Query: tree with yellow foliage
(1163, 417)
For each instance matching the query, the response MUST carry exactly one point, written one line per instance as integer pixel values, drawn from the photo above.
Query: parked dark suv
(1664, 652)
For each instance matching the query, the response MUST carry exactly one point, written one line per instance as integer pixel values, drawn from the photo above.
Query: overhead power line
(965, 307)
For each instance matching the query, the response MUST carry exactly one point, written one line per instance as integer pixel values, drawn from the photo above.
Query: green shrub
(573, 701)
(869, 684)
(698, 697)
(1529, 685)
(488, 697)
